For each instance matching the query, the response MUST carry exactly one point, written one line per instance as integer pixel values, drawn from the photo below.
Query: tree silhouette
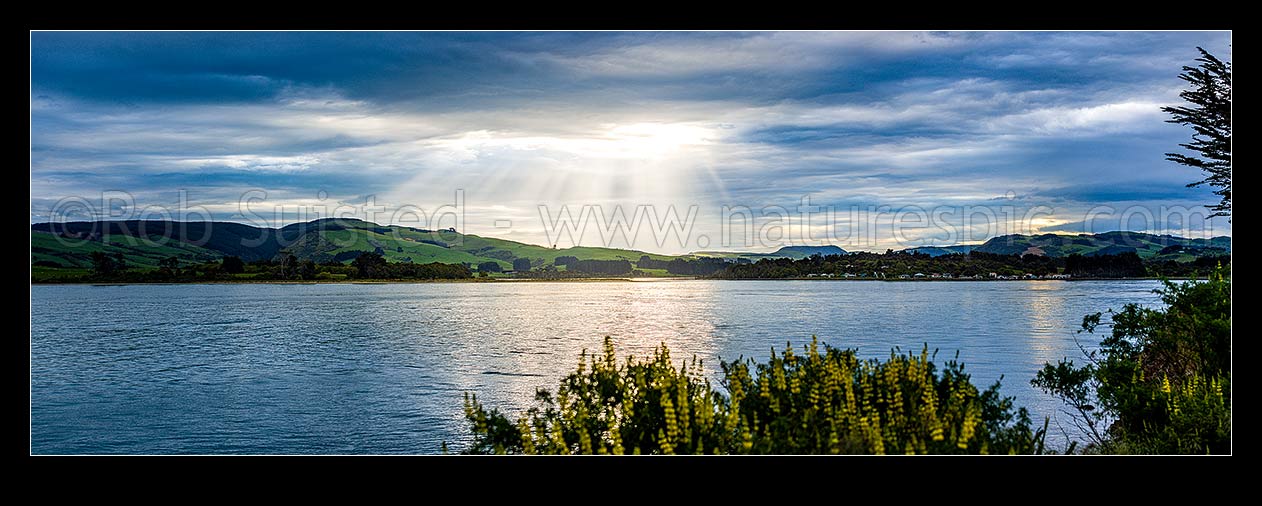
(102, 264)
(1210, 119)
(233, 265)
(521, 264)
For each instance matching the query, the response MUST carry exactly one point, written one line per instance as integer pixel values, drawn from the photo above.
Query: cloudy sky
(895, 138)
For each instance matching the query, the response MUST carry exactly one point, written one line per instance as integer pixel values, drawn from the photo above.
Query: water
(381, 368)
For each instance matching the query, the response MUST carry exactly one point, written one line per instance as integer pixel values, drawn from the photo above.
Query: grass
(55, 274)
(141, 254)
(418, 252)
(464, 248)
(398, 244)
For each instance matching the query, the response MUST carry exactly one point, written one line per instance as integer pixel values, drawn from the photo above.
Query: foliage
(146, 243)
(1124, 265)
(489, 267)
(894, 264)
(374, 266)
(699, 267)
(816, 402)
(369, 265)
(614, 267)
(521, 264)
(106, 265)
(1161, 380)
(1199, 267)
(648, 262)
(233, 265)
(115, 268)
(1210, 119)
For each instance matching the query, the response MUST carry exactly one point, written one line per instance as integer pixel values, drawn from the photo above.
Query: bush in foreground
(817, 402)
(1161, 380)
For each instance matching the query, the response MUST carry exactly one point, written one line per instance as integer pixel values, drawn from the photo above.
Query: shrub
(829, 402)
(1161, 381)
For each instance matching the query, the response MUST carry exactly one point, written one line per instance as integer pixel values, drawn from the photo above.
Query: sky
(667, 142)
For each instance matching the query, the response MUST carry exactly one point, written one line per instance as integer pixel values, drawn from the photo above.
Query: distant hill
(793, 252)
(64, 247)
(937, 251)
(144, 243)
(806, 251)
(1108, 243)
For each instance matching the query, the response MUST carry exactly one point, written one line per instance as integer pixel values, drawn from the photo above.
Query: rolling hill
(144, 243)
(64, 249)
(937, 251)
(791, 252)
(1108, 243)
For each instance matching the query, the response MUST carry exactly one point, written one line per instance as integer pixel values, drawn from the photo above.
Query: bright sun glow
(658, 138)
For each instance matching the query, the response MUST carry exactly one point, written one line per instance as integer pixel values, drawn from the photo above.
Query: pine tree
(1210, 118)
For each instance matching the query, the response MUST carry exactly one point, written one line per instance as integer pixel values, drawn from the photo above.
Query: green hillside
(62, 250)
(404, 244)
(144, 244)
(1146, 245)
(47, 249)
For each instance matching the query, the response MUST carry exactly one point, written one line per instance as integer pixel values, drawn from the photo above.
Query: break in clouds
(1050, 126)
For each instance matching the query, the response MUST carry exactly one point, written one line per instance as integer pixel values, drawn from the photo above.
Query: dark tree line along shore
(974, 265)
(855, 265)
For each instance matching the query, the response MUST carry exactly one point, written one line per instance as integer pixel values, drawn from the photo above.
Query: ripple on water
(383, 368)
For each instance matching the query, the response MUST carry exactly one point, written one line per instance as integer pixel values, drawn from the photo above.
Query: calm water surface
(381, 368)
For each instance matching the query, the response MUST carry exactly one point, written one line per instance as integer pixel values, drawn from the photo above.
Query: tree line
(975, 264)
(284, 267)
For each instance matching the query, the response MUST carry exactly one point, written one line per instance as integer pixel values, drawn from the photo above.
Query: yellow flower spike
(584, 441)
(559, 442)
(615, 436)
(667, 449)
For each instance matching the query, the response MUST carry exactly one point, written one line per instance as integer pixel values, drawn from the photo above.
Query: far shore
(562, 280)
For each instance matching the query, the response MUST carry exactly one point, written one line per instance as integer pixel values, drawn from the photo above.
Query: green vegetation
(1210, 119)
(116, 268)
(373, 266)
(974, 265)
(1147, 246)
(144, 244)
(1161, 381)
(53, 253)
(816, 402)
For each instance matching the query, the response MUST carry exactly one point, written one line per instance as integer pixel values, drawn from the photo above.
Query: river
(381, 368)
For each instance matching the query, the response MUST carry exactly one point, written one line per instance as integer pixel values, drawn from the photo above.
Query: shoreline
(569, 280)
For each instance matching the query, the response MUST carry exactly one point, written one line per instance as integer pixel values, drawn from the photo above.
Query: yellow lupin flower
(527, 442)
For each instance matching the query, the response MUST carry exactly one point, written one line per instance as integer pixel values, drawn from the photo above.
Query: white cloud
(919, 138)
(759, 52)
(1121, 117)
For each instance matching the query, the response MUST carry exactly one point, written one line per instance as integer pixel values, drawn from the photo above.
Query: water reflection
(382, 368)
